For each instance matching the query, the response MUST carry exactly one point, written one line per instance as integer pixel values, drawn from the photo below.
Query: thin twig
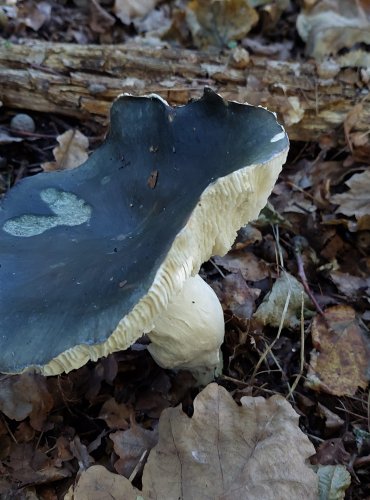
(268, 350)
(39, 440)
(275, 230)
(138, 466)
(9, 430)
(314, 438)
(302, 275)
(234, 380)
(349, 412)
(24, 133)
(299, 376)
(217, 267)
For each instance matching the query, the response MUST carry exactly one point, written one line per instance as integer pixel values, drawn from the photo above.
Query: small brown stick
(362, 461)
(301, 273)
(35, 135)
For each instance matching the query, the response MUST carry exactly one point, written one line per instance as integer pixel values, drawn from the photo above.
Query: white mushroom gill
(189, 334)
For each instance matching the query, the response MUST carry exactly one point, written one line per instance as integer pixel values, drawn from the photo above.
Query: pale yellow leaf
(97, 483)
(128, 10)
(217, 22)
(71, 152)
(329, 26)
(286, 290)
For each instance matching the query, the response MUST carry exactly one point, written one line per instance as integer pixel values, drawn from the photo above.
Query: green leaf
(333, 482)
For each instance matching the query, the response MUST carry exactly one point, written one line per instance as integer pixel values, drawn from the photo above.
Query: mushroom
(92, 258)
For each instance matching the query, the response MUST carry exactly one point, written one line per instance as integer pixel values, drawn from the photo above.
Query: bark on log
(82, 81)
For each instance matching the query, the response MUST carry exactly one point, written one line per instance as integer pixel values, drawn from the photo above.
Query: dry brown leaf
(356, 201)
(236, 296)
(339, 363)
(35, 14)
(247, 235)
(254, 451)
(251, 267)
(24, 432)
(130, 445)
(329, 26)
(5, 449)
(352, 118)
(333, 422)
(80, 451)
(129, 10)
(100, 20)
(217, 22)
(97, 483)
(63, 449)
(28, 465)
(271, 11)
(71, 152)
(151, 402)
(357, 133)
(331, 452)
(26, 395)
(5, 486)
(116, 416)
(320, 172)
(351, 286)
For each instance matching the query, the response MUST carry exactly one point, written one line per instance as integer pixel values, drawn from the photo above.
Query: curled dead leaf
(97, 483)
(355, 201)
(116, 416)
(351, 286)
(217, 22)
(130, 445)
(329, 26)
(236, 296)
(35, 14)
(100, 20)
(26, 395)
(129, 10)
(71, 152)
(331, 452)
(251, 267)
(286, 293)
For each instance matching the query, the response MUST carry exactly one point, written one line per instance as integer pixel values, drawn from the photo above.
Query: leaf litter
(242, 453)
(102, 421)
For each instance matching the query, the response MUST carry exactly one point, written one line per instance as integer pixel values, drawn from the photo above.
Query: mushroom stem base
(189, 335)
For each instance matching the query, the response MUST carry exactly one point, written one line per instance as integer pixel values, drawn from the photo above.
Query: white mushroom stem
(189, 334)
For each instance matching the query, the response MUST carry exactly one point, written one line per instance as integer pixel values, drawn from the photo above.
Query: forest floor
(295, 289)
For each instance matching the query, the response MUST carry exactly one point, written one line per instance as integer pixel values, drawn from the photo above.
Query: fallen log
(83, 80)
